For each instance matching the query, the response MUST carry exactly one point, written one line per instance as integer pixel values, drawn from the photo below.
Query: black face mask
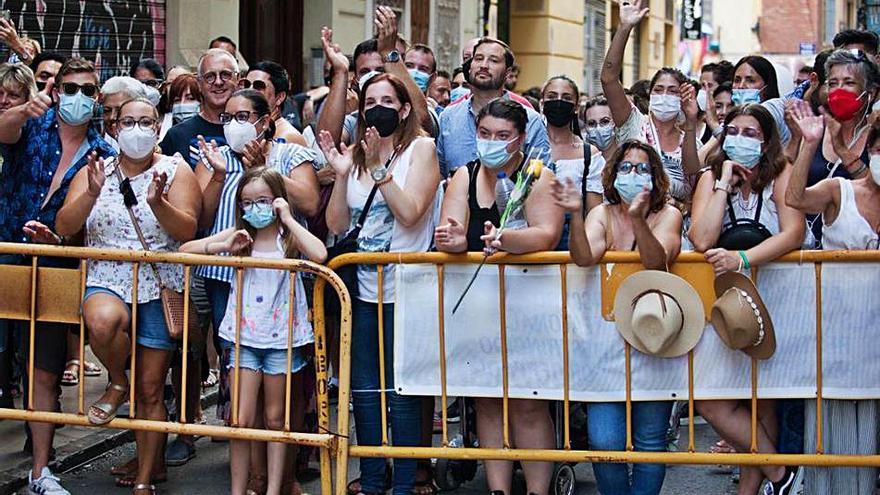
(559, 113)
(384, 119)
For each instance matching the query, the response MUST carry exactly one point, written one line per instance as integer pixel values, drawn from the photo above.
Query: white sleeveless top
(109, 226)
(382, 233)
(850, 230)
(266, 307)
(747, 209)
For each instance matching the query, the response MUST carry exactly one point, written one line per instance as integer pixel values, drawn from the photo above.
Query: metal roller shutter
(110, 33)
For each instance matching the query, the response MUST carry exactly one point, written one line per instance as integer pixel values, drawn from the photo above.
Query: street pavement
(208, 474)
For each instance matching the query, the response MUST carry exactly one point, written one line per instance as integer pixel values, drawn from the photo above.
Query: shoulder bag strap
(759, 206)
(137, 225)
(730, 211)
(363, 217)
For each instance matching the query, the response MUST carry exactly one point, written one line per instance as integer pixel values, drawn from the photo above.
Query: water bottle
(276, 155)
(504, 187)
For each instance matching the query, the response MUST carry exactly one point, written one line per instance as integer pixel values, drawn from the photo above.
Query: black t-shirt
(183, 138)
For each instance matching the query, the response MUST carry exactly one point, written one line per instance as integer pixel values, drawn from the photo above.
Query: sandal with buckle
(143, 486)
(70, 377)
(109, 409)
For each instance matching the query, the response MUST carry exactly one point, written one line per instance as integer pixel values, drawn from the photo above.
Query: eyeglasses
(143, 122)
(248, 84)
(241, 116)
(87, 89)
(128, 197)
(605, 122)
(747, 132)
(210, 77)
(247, 203)
(643, 168)
(153, 83)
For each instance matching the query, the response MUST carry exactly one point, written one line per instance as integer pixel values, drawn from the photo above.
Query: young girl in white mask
(671, 94)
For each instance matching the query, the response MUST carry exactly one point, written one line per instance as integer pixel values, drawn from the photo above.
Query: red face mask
(844, 104)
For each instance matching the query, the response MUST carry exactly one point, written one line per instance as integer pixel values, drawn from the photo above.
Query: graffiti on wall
(111, 33)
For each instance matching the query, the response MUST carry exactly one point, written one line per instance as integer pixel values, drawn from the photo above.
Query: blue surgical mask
(259, 215)
(743, 150)
(76, 109)
(493, 154)
(600, 136)
(420, 78)
(629, 185)
(457, 93)
(745, 96)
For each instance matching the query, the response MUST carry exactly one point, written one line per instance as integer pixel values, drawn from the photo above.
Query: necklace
(575, 142)
(751, 203)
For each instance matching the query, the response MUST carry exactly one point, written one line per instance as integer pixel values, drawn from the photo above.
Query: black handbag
(744, 233)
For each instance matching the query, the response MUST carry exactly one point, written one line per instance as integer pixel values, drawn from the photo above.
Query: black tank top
(478, 214)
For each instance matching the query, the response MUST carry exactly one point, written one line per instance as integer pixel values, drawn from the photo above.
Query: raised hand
(332, 52)
(239, 240)
(811, 127)
(370, 144)
(386, 29)
(566, 195)
(282, 209)
(39, 233)
(40, 104)
(156, 191)
(833, 125)
(340, 160)
(255, 153)
(8, 34)
(689, 102)
(631, 12)
(640, 204)
(212, 156)
(451, 236)
(711, 113)
(96, 174)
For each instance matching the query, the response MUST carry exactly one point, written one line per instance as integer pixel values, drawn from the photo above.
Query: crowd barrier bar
(690, 266)
(50, 298)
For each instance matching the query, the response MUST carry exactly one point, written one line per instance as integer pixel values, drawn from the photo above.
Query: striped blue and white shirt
(286, 159)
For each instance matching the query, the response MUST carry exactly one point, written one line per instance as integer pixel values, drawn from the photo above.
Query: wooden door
(272, 30)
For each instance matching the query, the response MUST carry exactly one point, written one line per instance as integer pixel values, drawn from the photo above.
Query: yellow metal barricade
(38, 294)
(690, 266)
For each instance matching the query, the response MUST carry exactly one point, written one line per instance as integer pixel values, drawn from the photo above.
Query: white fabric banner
(851, 368)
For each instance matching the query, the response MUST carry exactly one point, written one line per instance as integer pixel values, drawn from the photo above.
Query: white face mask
(239, 134)
(362, 81)
(701, 100)
(137, 143)
(665, 107)
(874, 165)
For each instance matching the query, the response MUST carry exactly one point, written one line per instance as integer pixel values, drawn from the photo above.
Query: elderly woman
(16, 85)
(850, 221)
(184, 98)
(636, 218)
(740, 220)
(162, 198)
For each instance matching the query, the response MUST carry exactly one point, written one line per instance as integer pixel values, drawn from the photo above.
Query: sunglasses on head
(87, 89)
(248, 84)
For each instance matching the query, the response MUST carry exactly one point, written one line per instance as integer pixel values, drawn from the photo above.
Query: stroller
(451, 473)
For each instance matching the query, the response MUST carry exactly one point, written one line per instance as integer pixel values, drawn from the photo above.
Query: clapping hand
(212, 156)
(340, 160)
(96, 175)
(450, 237)
(640, 204)
(631, 12)
(255, 153)
(386, 29)
(157, 192)
(566, 195)
(689, 102)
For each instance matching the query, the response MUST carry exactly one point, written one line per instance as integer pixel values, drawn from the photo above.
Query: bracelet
(858, 171)
(745, 260)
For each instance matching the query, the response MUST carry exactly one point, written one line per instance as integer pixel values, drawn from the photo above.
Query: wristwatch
(379, 173)
(723, 186)
(393, 57)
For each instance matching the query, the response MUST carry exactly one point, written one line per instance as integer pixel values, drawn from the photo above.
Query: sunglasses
(128, 197)
(211, 77)
(241, 116)
(71, 89)
(153, 83)
(247, 84)
(643, 168)
(247, 203)
(145, 123)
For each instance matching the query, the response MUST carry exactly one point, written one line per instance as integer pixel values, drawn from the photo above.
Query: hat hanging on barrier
(740, 317)
(659, 313)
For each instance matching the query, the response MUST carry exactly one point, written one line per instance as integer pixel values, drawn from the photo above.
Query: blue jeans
(790, 416)
(405, 417)
(606, 423)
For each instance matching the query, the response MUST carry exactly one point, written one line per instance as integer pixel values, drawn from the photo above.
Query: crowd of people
(404, 156)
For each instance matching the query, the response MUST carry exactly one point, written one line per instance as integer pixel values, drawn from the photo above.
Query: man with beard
(488, 69)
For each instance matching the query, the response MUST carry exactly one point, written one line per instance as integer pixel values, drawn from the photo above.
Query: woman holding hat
(850, 221)
(637, 217)
(740, 219)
